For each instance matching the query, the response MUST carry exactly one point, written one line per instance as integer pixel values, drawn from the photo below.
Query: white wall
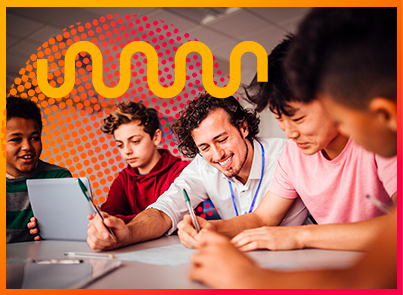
(269, 126)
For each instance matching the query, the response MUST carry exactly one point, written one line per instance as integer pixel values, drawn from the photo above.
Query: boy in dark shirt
(24, 147)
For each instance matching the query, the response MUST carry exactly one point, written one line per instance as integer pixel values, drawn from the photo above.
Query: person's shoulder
(179, 163)
(126, 174)
(365, 155)
(291, 151)
(359, 152)
(167, 153)
(273, 145)
(182, 163)
(172, 160)
(386, 161)
(48, 167)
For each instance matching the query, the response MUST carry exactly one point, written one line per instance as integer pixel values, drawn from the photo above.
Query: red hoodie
(131, 193)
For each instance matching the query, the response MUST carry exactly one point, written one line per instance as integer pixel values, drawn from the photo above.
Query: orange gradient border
(234, 3)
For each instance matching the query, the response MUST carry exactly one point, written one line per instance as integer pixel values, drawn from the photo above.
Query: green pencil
(192, 214)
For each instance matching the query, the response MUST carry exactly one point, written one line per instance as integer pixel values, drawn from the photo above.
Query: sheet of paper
(168, 255)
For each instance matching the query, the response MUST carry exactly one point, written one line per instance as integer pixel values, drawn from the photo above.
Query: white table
(135, 275)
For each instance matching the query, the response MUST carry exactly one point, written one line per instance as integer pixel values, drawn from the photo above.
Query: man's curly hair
(200, 108)
(127, 112)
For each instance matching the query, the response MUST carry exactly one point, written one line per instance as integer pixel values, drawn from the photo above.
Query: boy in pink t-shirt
(335, 190)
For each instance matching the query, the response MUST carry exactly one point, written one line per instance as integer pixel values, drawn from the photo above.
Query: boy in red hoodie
(150, 171)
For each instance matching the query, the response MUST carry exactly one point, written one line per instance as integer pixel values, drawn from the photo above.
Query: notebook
(60, 207)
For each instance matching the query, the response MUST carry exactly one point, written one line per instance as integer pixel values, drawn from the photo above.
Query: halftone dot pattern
(71, 135)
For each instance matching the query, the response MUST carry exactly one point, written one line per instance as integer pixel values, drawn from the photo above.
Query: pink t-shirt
(335, 191)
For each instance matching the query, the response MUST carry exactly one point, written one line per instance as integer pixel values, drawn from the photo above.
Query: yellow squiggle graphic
(152, 72)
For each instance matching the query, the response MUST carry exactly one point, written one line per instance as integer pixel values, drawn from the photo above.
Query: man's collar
(256, 169)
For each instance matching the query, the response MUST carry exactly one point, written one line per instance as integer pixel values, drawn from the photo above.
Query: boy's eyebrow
(288, 112)
(293, 111)
(134, 135)
(19, 133)
(15, 134)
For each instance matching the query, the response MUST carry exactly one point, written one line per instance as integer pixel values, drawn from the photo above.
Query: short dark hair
(18, 107)
(127, 112)
(200, 108)
(349, 53)
(276, 92)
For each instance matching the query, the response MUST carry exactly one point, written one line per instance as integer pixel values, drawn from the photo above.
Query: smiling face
(310, 128)
(136, 146)
(223, 145)
(23, 146)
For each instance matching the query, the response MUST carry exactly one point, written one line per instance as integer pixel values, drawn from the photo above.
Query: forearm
(345, 236)
(126, 218)
(268, 279)
(344, 278)
(376, 270)
(233, 226)
(147, 225)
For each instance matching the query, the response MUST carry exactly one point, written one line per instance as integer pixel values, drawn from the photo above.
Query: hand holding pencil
(99, 237)
(97, 211)
(190, 226)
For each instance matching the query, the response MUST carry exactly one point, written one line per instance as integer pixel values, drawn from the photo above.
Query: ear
(386, 111)
(157, 137)
(244, 129)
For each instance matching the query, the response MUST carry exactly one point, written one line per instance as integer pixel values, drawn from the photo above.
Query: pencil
(89, 199)
(192, 214)
(89, 255)
(381, 206)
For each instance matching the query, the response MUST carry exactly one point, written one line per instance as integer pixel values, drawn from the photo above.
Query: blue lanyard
(257, 190)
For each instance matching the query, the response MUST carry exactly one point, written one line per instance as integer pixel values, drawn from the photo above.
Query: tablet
(60, 207)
